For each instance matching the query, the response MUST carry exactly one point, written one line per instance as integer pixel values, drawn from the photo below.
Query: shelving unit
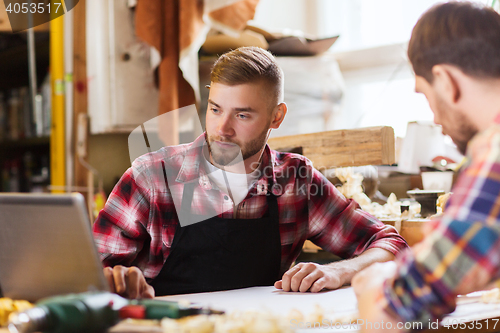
(24, 154)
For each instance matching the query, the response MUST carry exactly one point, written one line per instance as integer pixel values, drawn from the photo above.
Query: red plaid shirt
(138, 223)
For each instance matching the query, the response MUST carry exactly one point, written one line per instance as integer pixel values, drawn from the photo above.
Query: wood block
(81, 174)
(341, 148)
(413, 230)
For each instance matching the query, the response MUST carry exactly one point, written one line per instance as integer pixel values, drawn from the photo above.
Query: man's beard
(228, 157)
(463, 130)
(467, 132)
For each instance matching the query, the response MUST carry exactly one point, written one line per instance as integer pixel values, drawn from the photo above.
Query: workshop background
(73, 99)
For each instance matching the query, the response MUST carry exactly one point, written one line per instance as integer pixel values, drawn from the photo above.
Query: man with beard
(455, 53)
(226, 211)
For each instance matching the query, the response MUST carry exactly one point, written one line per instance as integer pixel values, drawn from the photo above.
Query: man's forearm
(348, 268)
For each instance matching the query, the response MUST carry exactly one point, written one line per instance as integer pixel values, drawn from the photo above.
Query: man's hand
(314, 277)
(128, 282)
(310, 277)
(368, 286)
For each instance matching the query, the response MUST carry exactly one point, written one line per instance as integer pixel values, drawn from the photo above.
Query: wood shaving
(441, 202)
(254, 322)
(352, 188)
(237, 322)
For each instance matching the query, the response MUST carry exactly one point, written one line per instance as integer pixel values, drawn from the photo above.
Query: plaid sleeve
(339, 226)
(462, 253)
(120, 228)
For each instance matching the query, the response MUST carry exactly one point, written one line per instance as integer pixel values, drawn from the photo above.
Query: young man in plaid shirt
(455, 53)
(225, 211)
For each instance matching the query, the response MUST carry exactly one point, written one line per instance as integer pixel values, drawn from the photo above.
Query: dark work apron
(222, 254)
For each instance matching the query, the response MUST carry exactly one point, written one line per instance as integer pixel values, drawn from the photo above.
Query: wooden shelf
(23, 143)
(23, 159)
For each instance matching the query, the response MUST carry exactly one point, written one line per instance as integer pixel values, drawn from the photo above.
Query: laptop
(46, 246)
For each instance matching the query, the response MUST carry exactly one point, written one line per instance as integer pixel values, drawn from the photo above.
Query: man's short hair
(249, 65)
(463, 34)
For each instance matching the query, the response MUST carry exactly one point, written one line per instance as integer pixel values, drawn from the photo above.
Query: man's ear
(447, 83)
(279, 114)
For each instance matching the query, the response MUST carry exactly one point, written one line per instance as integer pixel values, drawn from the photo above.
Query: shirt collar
(192, 166)
(193, 169)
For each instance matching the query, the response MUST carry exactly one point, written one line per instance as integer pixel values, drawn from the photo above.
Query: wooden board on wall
(80, 84)
(341, 148)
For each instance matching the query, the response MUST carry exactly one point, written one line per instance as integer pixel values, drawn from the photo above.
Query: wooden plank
(340, 148)
(80, 85)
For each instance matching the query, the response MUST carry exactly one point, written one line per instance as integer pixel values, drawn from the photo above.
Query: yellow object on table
(8, 306)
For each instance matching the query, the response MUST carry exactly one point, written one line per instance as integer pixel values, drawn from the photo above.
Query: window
(378, 81)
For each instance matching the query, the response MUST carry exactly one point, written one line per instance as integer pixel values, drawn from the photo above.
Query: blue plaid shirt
(462, 253)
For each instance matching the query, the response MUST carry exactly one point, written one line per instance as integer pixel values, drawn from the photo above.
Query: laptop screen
(46, 246)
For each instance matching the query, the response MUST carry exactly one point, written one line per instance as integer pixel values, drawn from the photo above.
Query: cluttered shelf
(24, 165)
(24, 140)
(24, 124)
(14, 72)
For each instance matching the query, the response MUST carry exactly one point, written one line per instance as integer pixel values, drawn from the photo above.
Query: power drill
(94, 312)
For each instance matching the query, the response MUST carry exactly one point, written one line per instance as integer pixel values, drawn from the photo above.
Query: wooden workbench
(337, 306)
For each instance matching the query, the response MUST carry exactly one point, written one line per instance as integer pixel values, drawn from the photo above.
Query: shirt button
(226, 197)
